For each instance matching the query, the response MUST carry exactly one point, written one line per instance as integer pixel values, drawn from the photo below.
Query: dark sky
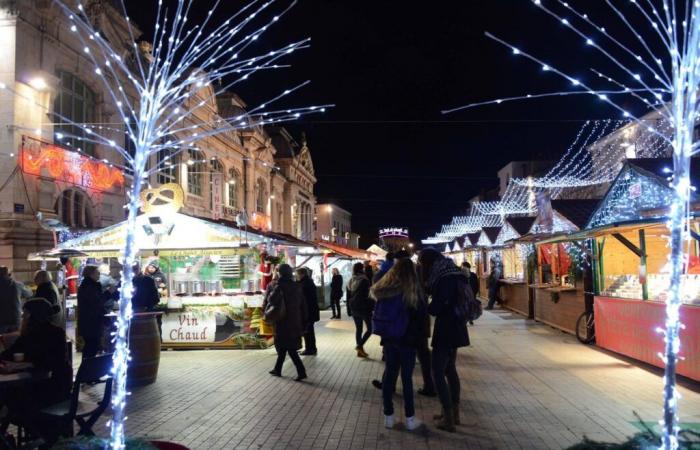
(385, 152)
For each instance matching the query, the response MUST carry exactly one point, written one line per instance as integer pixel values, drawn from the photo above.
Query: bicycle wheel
(585, 328)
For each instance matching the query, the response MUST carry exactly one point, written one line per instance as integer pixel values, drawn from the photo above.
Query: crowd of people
(396, 303)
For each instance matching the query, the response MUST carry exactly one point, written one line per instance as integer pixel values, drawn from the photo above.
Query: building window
(73, 208)
(260, 196)
(74, 104)
(234, 180)
(195, 168)
(166, 163)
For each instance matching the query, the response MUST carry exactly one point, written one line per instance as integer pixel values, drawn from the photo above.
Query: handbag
(276, 313)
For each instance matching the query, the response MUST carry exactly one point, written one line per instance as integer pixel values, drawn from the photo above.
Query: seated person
(44, 346)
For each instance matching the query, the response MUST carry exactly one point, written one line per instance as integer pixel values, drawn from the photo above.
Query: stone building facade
(44, 170)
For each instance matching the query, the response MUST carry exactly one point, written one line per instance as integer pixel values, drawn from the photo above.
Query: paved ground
(525, 385)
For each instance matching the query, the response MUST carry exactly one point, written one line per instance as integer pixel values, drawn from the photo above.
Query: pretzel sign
(166, 198)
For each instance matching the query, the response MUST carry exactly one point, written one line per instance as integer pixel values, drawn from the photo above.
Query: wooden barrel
(144, 345)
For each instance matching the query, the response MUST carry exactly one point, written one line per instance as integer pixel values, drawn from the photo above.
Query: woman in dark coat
(360, 306)
(336, 293)
(91, 311)
(448, 287)
(291, 326)
(46, 289)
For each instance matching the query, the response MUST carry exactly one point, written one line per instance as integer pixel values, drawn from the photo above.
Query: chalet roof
(521, 224)
(577, 211)
(492, 233)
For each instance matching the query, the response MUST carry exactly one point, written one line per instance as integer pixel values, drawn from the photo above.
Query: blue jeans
(398, 358)
(360, 338)
(445, 376)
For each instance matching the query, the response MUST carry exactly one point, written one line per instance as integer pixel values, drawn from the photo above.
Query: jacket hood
(378, 292)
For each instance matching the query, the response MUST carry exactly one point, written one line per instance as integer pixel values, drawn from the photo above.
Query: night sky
(385, 152)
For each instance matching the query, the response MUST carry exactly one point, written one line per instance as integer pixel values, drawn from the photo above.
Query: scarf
(441, 268)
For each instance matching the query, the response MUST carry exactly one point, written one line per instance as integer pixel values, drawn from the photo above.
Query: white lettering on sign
(217, 181)
(393, 232)
(188, 327)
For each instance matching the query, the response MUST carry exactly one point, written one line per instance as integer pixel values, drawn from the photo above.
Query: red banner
(628, 326)
(44, 159)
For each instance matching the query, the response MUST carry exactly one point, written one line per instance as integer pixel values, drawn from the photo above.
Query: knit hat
(40, 310)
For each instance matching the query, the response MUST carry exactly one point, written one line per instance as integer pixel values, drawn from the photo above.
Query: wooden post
(643, 264)
(601, 269)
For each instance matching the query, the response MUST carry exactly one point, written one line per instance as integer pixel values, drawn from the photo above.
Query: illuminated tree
(656, 56)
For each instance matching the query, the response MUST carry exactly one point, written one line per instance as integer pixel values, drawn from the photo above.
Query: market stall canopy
(351, 253)
(56, 254)
(377, 250)
(640, 191)
(170, 234)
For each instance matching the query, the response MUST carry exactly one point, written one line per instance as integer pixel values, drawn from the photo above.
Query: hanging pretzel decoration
(163, 199)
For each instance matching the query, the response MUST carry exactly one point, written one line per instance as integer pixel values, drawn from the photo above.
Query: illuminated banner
(393, 232)
(48, 160)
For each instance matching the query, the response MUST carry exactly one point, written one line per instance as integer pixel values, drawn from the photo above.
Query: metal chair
(93, 371)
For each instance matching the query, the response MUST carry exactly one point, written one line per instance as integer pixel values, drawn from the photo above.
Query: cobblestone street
(525, 385)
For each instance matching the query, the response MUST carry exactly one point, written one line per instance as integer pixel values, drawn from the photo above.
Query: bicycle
(585, 328)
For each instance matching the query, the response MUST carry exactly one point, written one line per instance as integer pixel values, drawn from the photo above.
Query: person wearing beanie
(448, 287)
(286, 295)
(43, 345)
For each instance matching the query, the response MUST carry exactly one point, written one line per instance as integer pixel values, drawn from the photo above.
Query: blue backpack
(390, 319)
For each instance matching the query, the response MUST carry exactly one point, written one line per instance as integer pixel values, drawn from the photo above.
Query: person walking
(308, 288)
(400, 318)
(11, 293)
(46, 289)
(360, 307)
(336, 293)
(494, 281)
(286, 308)
(91, 311)
(449, 288)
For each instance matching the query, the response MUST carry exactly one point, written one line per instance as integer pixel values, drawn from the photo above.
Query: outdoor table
(10, 381)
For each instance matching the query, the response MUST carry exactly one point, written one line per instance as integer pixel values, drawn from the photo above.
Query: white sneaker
(389, 421)
(412, 423)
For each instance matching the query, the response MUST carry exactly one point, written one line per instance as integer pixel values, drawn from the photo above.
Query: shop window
(166, 162)
(260, 196)
(74, 209)
(195, 168)
(234, 180)
(74, 104)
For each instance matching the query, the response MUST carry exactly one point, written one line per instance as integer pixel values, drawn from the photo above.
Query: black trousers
(335, 306)
(446, 377)
(310, 339)
(282, 354)
(91, 347)
(423, 353)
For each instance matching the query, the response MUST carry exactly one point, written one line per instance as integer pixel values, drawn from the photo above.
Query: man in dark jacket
(494, 283)
(290, 328)
(11, 292)
(311, 297)
(336, 293)
(91, 311)
(448, 286)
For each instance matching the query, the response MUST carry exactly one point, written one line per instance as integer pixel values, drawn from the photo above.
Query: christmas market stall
(489, 253)
(557, 281)
(211, 277)
(328, 255)
(629, 240)
(514, 259)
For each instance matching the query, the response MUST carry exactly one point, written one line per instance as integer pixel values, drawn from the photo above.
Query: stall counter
(628, 327)
(558, 306)
(516, 296)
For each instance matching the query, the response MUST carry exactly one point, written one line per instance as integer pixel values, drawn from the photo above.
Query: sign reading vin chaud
(189, 327)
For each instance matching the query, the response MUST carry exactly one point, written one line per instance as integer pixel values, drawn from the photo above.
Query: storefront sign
(393, 232)
(628, 327)
(217, 204)
(189, 327)
(635, 190)
(48, 160)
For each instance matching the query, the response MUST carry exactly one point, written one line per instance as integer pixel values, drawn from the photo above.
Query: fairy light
(183, 70)
(673, 28)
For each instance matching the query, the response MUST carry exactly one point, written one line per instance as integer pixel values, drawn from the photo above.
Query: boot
(447, 422)
(361, 352)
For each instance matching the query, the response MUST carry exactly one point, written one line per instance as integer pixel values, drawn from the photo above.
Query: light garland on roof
(667, 84)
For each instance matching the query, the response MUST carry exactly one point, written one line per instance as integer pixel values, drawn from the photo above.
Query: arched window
(195, 169)
(75, 103)
(234, 180)
(260, 196)
(74, 209)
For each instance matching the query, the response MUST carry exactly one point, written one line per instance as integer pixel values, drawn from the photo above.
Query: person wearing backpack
(449, 288)
(360, 307)
(399, 318)
(286, 308)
